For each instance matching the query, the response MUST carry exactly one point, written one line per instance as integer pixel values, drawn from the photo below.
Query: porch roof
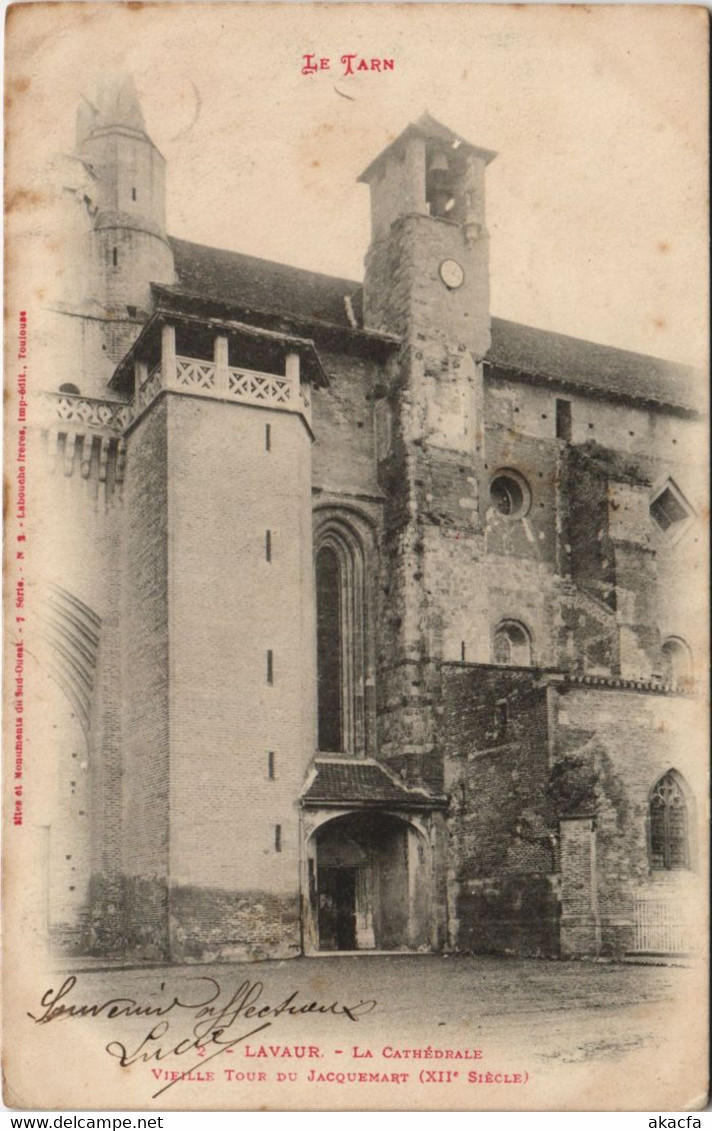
(361, 782)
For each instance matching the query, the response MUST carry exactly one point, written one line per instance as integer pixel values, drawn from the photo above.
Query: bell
(439, 201)
(438, 166)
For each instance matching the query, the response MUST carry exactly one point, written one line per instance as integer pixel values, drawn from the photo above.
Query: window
(670, 510)
(511, 645)
(344, 646)
(667, 510)
(563, 420)
(668, 817)
(510, 494)
(677, 663)
(68, 387)
(329, 646)
(501, 717)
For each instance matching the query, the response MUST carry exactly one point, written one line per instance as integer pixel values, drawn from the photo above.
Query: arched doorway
(369, 880)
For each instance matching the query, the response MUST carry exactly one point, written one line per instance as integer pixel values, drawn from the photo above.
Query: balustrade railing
(195, 375)
(249, 386)
(201, 378)
(87, 412)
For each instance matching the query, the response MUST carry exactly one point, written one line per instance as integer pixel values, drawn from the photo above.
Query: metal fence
(665, 926)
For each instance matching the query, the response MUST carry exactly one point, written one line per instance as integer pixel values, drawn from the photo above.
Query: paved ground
(588, 1027)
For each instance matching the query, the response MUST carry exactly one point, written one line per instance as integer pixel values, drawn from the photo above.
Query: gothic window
(668, 816)
(677, 663)
(510, 494)
(511, 645)
(343, 646)
(329, 636)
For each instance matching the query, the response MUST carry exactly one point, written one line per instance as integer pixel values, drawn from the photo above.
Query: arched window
(511, 644)
(677, 663)
(329, 645)
(345, 661)
(668, 817)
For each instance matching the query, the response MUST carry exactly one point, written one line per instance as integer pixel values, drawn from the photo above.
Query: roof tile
(350, 781)
(261, 285)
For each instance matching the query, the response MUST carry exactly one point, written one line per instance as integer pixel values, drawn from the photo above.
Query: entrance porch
(370, 879)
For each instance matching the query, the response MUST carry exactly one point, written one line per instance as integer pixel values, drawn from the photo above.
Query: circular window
(509, 494)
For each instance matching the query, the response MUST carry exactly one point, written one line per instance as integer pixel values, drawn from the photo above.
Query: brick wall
(628, 740)
(229, 606)
(145, 612)
(75, 530)
(494, 744)
(342, 418)
(549, 806)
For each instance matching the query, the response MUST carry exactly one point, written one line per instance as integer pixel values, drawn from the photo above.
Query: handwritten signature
(213, 1016)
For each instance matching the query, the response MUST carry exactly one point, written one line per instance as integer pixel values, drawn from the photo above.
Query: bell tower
(427, 280)
(427, 269)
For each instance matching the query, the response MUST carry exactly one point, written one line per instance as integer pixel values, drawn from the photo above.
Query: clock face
(452, 274)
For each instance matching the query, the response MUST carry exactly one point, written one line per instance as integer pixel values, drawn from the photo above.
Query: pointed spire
(117, 103)
(86, 119)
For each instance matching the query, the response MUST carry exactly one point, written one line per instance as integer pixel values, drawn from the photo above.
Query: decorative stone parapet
(247, 386)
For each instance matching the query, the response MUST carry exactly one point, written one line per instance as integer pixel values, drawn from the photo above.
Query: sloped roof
(348, 781)
(535, 355)
(598, 368)
(229, 276)
(432, 130)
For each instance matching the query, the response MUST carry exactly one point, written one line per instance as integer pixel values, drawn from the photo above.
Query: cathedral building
(362, 626)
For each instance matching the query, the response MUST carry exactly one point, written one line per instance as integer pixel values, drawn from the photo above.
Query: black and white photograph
(356, 564)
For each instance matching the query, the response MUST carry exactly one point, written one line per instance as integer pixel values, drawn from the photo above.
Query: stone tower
(427, 280)
(113, 215)
(130, 249)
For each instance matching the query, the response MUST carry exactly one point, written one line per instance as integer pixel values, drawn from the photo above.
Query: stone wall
(623, 741)
(550, 782)
(494, 742)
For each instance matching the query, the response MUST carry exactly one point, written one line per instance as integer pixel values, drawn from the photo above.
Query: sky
(596, 203)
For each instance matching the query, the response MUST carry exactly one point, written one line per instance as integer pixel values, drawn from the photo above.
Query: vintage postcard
(355, 709)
